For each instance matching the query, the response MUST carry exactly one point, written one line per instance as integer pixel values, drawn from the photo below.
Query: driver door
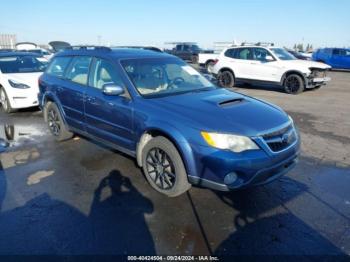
(108, 117)
(262, 68)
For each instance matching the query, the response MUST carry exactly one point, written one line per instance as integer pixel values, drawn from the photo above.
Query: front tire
(294, 84)
(164, 168)
(55, 123)
(4, 101)
(226, 79)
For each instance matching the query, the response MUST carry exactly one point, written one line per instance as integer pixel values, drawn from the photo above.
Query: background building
(7, 41)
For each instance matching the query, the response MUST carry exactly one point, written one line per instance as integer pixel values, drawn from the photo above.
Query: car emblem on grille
(286, 138)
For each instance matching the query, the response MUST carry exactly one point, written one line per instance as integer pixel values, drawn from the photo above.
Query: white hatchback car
(19, 74)
(268, 64)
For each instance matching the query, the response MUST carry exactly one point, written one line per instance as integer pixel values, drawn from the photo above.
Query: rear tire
(4, 101)
(294, 84)
(209, 64)
(55, 123)
(194, 59)
(164, 168)
(226, 79)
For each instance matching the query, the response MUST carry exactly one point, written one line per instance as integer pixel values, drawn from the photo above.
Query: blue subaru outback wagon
(181, 128)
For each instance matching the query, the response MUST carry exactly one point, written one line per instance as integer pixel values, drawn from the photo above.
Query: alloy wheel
(225, 79)
(54, 122)
(160, 169)
(292, 84)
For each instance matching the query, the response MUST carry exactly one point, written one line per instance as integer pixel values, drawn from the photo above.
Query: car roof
(117, 53)
(16, 53)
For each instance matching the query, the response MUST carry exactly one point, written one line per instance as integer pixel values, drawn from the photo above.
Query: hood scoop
(231, 102)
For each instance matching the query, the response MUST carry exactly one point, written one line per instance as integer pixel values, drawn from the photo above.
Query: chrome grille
(281, 139)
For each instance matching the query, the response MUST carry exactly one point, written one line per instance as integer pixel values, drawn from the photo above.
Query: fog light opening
(230, 178)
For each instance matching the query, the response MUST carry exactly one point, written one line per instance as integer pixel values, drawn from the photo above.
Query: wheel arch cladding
(175, 137)
(50, 97)
(227, 69)
(293, 72)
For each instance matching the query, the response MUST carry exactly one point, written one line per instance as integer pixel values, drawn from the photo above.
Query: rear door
(240, 60)
(108, 117)
(71, 92)
(55, 82)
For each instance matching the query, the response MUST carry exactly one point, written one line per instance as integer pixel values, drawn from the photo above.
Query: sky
(153, 22)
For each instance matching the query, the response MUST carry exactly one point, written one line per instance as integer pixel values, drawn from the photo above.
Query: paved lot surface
(79, 197)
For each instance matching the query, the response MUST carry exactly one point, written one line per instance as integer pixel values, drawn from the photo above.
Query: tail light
(215, 61)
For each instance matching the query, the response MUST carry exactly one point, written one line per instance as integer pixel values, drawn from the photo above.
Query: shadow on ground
(262, 228)
(115, 224)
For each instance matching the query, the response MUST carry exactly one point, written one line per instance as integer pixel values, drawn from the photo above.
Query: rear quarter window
(58, 66)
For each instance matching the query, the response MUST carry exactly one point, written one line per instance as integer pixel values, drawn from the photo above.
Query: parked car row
(181, 128)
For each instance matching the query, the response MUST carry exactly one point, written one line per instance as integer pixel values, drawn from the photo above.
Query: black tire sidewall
(9, 108)
(208, 64)
(232, 79)
(194, 59)
(64, 133)
(181, 181)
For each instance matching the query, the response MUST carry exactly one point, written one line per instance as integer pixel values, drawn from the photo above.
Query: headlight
(16, 84)
(230, 142)
(291, 119)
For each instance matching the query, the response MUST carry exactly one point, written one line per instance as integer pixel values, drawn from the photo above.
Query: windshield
(155, 77)
(282, 54)
(21, 64)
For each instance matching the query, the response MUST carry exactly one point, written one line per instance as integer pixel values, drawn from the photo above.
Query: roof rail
(88, 47)
(257, 44)
(265, 44)
(247, 44)
(176, 43)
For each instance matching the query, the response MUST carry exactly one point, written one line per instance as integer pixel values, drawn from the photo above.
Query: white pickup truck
(207, 60)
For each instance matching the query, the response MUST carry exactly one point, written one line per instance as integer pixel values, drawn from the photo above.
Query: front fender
(50, 96)
(176, 137)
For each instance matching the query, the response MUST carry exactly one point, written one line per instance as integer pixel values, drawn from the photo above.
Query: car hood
(304, 65)
(223, 111)
(30, 79)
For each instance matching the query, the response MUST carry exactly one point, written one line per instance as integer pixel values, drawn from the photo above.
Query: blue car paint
(333, 57)
(182, 117)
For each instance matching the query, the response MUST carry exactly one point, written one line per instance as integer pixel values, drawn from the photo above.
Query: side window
(336, 52)
(230, 53)
(186, 47)
(58, 66)
(103, 73)
(260, 54)
(244, 53)
(79, 70)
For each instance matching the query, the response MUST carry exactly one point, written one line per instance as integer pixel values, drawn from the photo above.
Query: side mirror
(269, 58)
(112, 90)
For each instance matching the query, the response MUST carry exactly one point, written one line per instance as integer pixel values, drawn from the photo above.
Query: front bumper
(24, 99)
(252, 168)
